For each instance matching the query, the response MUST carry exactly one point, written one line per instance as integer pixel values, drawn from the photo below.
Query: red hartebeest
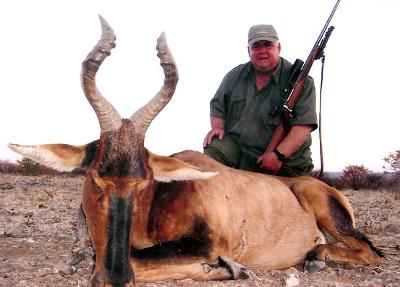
(152, 217)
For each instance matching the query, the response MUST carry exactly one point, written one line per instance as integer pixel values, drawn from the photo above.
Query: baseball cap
(262, 32)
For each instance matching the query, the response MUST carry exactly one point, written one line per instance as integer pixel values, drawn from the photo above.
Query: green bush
(29, 167)
(26, 166)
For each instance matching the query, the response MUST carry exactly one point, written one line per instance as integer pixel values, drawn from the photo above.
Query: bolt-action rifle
(296, 81)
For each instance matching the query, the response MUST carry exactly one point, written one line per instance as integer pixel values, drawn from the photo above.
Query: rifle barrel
(314, 52)
(327, 22)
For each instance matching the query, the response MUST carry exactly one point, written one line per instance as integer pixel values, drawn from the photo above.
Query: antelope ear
(61, 157)
(167, 169)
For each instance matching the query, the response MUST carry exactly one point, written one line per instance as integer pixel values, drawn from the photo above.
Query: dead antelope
(154, 218)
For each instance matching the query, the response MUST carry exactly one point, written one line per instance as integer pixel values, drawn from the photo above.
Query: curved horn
(143, 117)
(107, 115)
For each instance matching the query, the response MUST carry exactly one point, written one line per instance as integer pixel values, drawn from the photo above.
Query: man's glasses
(261, 44)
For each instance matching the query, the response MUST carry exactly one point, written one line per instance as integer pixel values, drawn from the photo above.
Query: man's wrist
(281, 156)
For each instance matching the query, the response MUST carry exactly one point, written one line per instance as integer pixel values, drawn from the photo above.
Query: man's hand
(269, 162)
(297, 135)
(215, 132)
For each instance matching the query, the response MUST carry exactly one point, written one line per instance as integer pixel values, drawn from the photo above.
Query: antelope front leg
(223, 269)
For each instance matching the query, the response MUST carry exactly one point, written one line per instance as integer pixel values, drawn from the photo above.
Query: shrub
(392, 183)
(9, 167)
(393, 162)
(355, 176)
(375, 181)
(29, 167)
(392, 171)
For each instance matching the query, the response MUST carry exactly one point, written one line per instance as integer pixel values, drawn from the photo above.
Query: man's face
(264, 55)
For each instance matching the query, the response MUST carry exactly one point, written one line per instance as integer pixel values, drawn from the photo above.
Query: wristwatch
(281, 156)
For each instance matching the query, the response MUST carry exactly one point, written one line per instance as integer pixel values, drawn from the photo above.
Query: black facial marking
(117, 259)
(344, 225)
(197, 244)
(121, 164)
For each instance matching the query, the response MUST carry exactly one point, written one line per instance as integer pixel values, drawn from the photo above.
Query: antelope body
(154, 218)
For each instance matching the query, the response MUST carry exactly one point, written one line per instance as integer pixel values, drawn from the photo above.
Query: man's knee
(217, 155)
(225, 151)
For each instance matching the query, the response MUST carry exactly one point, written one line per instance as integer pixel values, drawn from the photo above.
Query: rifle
(296, 81)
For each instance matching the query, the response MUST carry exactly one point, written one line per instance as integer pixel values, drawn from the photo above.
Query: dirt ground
(38, 226)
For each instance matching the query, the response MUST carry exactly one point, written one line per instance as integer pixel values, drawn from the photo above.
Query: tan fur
(253, 211)
(166, 169)
(312, 193)
(314, 196)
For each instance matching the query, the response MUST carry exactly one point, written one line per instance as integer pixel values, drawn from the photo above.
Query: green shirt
(251, 116)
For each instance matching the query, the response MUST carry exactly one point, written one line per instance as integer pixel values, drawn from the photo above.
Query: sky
(44, 43)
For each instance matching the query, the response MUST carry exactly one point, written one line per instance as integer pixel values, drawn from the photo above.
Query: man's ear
(167, 169)
(62, 157)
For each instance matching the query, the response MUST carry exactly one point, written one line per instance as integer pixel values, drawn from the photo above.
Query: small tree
(29, 167)
(393, 160)
(355, 176)
(392, 164)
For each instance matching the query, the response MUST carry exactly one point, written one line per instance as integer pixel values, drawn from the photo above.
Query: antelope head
(120, 166)
(121, 172)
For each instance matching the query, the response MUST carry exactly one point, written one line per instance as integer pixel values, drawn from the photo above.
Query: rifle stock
(283, 128)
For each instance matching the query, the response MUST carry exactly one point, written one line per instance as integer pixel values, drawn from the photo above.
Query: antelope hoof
(235, 269)
(314, 266)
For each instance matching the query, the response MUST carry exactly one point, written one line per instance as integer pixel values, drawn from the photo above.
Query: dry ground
(37, 238)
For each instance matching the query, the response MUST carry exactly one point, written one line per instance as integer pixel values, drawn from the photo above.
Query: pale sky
(44, 43)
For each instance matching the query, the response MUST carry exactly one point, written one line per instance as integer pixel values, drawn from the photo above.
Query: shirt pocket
(237, 105)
